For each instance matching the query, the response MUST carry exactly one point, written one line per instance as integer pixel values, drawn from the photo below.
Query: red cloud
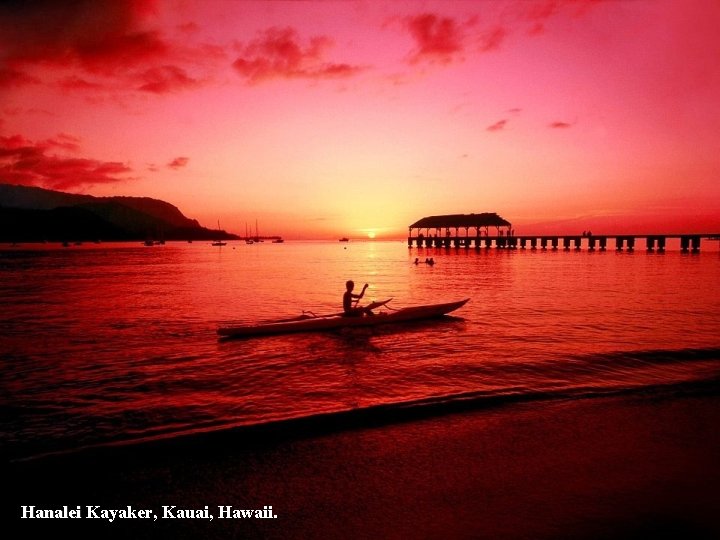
(560, 125)
(497, 126)
(103, 37)
(437, 38)
(10, 77)
(164, 79)
(492, 39)
(278, 53)
(26, 163)
(76, 83)
(178, 162)
(100, 34)
(444, 39)
(539, 12)
(64, 141)
(188, 28)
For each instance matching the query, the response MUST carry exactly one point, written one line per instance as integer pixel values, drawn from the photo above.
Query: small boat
(248, 240)
(219, 242)
(278, 241)
(344, 239)
(313, 323)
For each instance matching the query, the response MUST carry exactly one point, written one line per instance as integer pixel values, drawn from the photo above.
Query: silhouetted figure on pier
(417, 261)
(350, 298)
(430, 261)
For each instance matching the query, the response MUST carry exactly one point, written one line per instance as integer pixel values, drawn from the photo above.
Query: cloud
(443, 39)
(77, 83)
(178, 163)
(492, 38)
(436, 38)
(64, 142)
(497, 126)
(166, 79)
(278, 53)
(188, 28)
(11, 77)
(538, 13)
(100, 35)
(560, 125)
(103, 45)
(31, 164)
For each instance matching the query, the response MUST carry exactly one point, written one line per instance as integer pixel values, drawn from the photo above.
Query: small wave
(212, 431)
(656, 356)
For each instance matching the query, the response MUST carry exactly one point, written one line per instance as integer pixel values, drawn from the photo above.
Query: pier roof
(485, 219)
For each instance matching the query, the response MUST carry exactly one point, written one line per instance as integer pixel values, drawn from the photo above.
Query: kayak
(311, 323)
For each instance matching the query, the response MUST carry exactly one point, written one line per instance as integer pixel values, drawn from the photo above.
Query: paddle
(361, 294)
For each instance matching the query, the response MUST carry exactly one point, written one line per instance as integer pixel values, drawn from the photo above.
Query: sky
(324, 119)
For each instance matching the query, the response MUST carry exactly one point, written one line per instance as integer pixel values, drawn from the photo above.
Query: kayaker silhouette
(349, 298)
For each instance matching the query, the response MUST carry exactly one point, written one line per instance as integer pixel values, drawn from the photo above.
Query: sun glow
(371, 234)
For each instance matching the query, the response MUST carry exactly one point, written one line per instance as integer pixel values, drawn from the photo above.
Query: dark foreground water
(116, 343)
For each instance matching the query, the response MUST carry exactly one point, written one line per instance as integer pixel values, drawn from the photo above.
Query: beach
(631, 466)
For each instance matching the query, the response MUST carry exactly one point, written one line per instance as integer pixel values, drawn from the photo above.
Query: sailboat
(248, 240)
(219, 242)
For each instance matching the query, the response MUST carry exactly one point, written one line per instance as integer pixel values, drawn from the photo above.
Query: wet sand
(622, 467)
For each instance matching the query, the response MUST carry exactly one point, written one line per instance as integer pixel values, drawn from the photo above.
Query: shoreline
(622, 466)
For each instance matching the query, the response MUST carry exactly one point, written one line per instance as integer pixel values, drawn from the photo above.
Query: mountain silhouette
(31, 214)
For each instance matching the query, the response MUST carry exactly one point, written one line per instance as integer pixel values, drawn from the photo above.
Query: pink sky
(321, 119)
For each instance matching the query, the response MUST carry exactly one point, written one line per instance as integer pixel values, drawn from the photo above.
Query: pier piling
(684, 243)
(695, 242)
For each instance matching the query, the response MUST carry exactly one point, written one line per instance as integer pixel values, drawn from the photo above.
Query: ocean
(115, 344)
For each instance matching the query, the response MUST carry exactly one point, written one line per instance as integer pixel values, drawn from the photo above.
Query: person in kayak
(348, 309)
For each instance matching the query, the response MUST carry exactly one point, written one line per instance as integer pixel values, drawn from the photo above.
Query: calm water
(116, 343)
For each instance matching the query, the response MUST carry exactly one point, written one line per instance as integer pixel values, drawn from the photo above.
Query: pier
(485, 231)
